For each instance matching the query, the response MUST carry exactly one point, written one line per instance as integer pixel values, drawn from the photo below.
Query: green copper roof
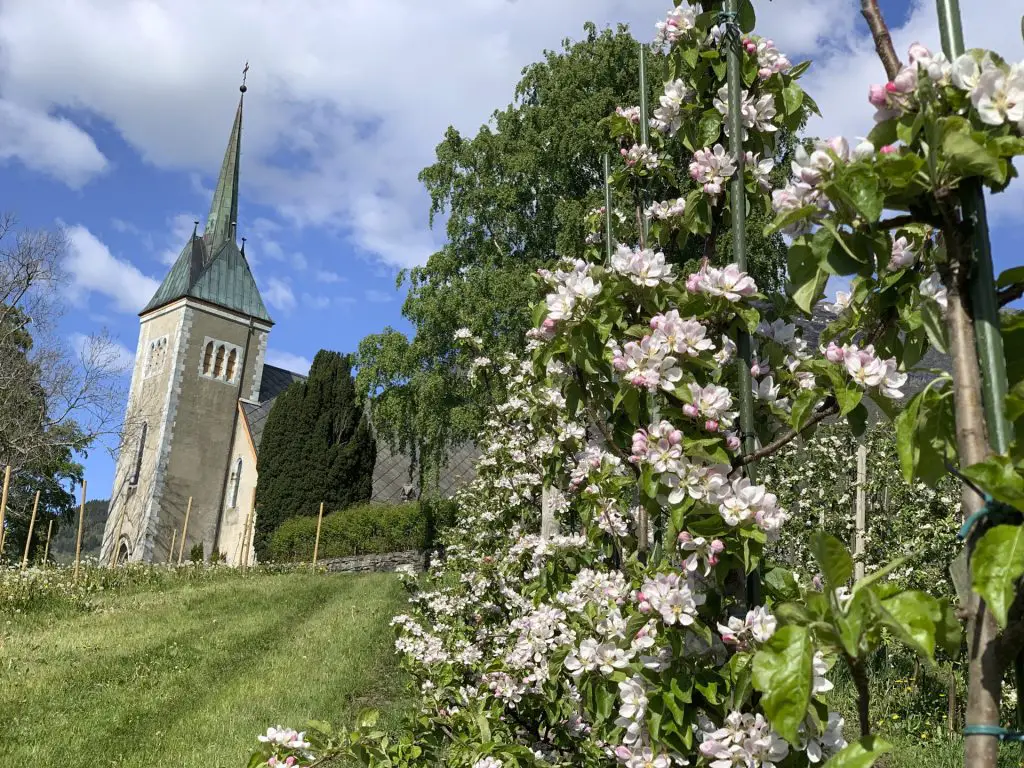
(212, 268)
(220, 226)
(222, 278)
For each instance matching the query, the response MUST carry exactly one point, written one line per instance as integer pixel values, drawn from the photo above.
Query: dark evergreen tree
(317, 446)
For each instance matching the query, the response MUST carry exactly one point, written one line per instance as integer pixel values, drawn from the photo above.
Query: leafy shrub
(195, 553)
(364, 529)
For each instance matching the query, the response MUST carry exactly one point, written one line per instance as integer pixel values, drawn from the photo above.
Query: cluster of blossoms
(640, 156)
(673, 596)
(867, 369)
(667, 209)
(996, 91)
(701, 552)
(810, 169)
(770, 60)
(756, 114)
(744, 739)
(711, 167)
(645, 267)
(289, 748)
(668, 115)
(759, 626)
(632, 114)
(730, 282)
(647, 364)
(680, 22)
(574, 290)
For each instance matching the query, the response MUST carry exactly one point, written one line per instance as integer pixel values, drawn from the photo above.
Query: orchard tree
(317, 447)
(524, 189)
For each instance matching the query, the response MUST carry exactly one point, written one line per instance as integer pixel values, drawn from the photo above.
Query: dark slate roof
(391, 472)
(220, 277)
(274, 381)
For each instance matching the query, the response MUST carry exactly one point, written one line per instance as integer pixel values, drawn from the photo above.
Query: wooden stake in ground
(49, 533)
(31, 525)
(3, 506)
(243, 551)
(78, 541)
(170, 552)
(184, 531)
(316, 544)
(861, 522)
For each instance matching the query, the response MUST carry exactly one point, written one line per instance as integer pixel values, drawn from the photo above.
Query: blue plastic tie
(994, 730)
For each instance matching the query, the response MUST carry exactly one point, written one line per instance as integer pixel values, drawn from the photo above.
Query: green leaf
(808, 294)
(803, 406)
(1015, 402)
(786, 219)
(782, 584)
(859, 189)
(848, 396)
(947, 630)
(746, 18)
(792, 98)
(710, 128)
(835, 562)
(1010, 276)
(997, 564)
(999, 478)
(860, 754)
(883, 134)
(913, 617)
(934, 325)
(858, 420)
(966, 156)
(783, 673)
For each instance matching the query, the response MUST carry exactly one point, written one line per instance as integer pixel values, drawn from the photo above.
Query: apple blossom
(640, 155)
(999, 96)
(679, 22)
(711, 168)
(642, 266)
(903, 254)
(667, 209)
(932, 288)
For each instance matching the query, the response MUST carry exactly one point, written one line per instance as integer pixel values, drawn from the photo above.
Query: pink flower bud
(755, 369)
(732, 443)
(717, 546)
(623, 152)
(816, 581)
(712, 560)
(549, 324)
(675, 437)
(889, 149)
(623, 753)
(685, 537)
(834, 354)
(691, 411)
(890, 87)
(877, 96)
(918, 51)
(619, 363)
(711, 425)
(693, 283)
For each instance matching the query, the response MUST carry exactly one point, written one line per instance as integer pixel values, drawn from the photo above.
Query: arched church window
(208, 357)
(138, 455)
(238, 481)
(218, 368)
(230, 375)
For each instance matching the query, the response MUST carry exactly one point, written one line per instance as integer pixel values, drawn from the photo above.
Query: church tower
(202, 343)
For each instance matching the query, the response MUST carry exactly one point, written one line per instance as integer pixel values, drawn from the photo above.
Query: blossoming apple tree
(645, 630)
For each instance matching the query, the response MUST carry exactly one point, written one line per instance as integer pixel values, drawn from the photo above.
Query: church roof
(274, 381)
(211, 267)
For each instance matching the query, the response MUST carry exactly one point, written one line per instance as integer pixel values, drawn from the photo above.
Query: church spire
(220, 226)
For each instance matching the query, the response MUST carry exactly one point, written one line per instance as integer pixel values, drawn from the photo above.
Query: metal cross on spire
(245, 74)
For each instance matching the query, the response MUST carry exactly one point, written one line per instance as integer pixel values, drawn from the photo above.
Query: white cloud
(326, 276)
(48, 144)
(279, 294)
(95, 270)
(378, 297)
(181, 226)
(289, 361)
(309, 301)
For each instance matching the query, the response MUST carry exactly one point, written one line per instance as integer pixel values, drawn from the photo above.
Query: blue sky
(114, 116)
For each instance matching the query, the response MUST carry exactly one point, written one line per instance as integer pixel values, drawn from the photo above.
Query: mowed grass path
(188, 676)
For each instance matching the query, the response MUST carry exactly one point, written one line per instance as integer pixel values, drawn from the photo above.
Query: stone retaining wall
(385, 562)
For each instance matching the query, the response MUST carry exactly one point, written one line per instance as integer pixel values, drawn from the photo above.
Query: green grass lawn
(188, 675)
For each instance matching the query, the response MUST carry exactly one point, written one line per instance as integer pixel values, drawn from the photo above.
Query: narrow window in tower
(230, 376)
(238, 481)
(208, 357)
(218, 368)
(134, 480)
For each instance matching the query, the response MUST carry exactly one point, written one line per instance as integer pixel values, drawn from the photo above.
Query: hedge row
(360, 530)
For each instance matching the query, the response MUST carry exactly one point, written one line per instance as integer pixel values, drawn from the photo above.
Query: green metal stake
(645, 134)
(981, 285)
(608, 244)
(738, 203)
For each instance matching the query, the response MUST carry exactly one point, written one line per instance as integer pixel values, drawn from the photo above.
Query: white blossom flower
(711, 167)
(643, 266)
(999, 96)
(640, 155)
(679, 23)
(932, 288)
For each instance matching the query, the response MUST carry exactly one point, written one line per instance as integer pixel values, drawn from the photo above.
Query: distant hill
(62, 547)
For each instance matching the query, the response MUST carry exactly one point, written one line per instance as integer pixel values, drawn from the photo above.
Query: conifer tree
(317, 446)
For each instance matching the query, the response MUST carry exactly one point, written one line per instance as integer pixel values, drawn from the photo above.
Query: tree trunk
(984, 671)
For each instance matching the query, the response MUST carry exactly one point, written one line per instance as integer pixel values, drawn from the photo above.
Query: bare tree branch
(883, 40)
